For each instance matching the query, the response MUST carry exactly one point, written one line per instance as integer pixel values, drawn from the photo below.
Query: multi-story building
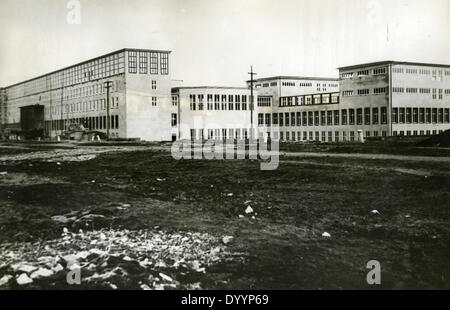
(140, 96)
(397, 98)
(286, 86)
(376, 99)
(214, 112)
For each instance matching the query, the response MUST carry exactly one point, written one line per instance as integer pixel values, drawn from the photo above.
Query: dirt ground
(132, 217)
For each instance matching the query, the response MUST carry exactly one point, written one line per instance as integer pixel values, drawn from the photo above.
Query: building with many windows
(375, 99)
(140, 96)
(213, 112)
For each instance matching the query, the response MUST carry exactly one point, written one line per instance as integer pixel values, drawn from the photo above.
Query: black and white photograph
(224, 149)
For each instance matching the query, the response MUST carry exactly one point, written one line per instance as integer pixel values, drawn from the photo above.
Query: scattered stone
(375, 212)
(241, 216)
(23, 267)
(165, 277)
(230, 195)
(58, 268)
(23, 279)
(5, 279)
(3, 173)
(227, 239)
(326, 235)
(42, 273)
(65, 230)
(83, 254)
(249, 210)
(71, 260)
(145, 287)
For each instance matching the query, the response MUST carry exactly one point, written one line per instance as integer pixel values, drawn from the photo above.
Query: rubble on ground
(113, 258)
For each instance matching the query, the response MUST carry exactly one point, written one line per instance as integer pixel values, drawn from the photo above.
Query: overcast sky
(214, 42)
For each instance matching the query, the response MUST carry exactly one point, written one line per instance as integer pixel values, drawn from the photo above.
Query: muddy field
(131, 217)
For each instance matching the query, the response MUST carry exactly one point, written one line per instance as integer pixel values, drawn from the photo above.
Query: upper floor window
(154, 63)
(379, 71)
(143, 62)
(164, 63)
(132, 62)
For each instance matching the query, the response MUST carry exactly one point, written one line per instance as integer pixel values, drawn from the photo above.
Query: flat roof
(209, 87)
(393, 62)
(285, 77)
(87, 61)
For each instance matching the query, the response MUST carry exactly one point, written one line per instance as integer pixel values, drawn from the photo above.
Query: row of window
(301, 84)
(437, 94)
(365, 92)
(264, 101)
(220, 133)
(420, 115)
(91, 123)
(366, 116)
(93, 70)
(435, 74)
(144, 60)
(409, 133)
(309, 99)
(219, 102)
(86, 106)
(325, 136)
(366, 72)
(86, 91)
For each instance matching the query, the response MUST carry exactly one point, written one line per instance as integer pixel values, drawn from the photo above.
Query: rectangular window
(153, 84)
(154, 63)
(375, 117)
(143, 62)
(281, 119)
(192, 102)
(230, 103)
(267, 119)
(200, 101)
(132, 62)
(209, 101)
(421, 115)
(154, 101)
(344, 117)
(237, 103)
(336, 117)
(401, 115)
(408, 116)
(286, 119)
(275, 118)
(299, 120)
(174, 120)
(322, 118)
(260, 119)
(164, 63)
(329, 118)
(366, 116)
(293, 119)
(359, 116)
(351, 117)
(217, 102)
(415, 118)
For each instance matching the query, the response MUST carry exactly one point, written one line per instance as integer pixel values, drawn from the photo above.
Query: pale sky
(214, 42)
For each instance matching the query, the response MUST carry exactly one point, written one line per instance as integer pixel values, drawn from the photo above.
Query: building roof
(208, 87)
(89, 60)
(281, 77)
(393, 62)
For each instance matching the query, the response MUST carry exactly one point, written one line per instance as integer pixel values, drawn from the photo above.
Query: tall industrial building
(140, 96)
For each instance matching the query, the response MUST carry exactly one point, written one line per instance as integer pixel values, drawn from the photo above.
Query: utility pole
(251, 100)
(108, 85)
